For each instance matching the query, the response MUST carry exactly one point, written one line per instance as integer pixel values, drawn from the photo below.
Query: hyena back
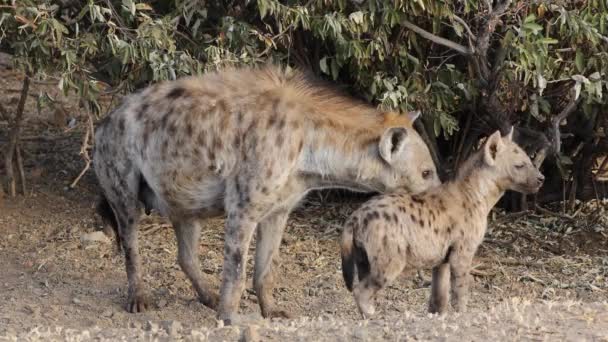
(440, 228)
(249, 143)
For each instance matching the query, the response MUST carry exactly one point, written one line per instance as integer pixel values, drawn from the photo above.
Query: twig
(84, 150)
(531, 238)
(435, 38)
(509, 262)
(479, 273)
(20, 167)
(509, 217)
(551, 213)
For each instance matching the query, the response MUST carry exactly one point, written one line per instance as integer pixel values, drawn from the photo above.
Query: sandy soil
(537, 277)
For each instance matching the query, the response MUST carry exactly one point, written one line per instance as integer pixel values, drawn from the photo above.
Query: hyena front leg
(460, 267)
(244, 211)
(440, 288)
(270, 233)
(187, 232)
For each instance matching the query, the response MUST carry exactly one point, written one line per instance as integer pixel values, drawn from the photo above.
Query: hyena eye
(520, 166)
(426, 174)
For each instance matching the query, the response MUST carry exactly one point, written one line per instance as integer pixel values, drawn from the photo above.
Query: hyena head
(514, 169)
(409, 161)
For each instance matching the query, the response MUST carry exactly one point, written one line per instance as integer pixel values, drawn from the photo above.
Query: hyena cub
(440, 228)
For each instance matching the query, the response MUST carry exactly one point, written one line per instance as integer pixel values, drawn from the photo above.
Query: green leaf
(579, 61)
(323, 65)
(533, 27)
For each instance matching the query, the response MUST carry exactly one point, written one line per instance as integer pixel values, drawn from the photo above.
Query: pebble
(94, 237)
(171, 327)
(250, 334)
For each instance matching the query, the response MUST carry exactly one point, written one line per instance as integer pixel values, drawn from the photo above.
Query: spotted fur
(247, 143)
(440, 228)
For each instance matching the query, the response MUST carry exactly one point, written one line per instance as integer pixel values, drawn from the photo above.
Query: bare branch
(88, 137)
(556, 121)
(435, 38)
(466, 26)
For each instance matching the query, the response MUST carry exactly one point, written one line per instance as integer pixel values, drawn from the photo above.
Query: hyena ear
(491, 148)
(413, 115)
(509, 136)
(392, 143)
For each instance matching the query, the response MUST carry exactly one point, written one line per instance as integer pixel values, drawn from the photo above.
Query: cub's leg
(187, 232)
(460, 266)
(440, 288)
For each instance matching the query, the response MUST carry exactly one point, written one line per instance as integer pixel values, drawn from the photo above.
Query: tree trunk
(13, 140)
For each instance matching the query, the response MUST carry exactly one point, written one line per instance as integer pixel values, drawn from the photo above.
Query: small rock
(149, 326)
(250, 334)
(75, 300)
(107, 313)
(162, 303)
(94, 237)
(171, 327)
(32, 310)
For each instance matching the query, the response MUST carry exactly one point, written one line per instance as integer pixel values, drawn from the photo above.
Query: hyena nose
(540, 179)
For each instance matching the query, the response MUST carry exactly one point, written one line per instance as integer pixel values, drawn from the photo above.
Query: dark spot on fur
(280, 139)
(399, 250)
(172, 129)
(189, 129)
(237, 141)
(414, 220)
(386, 216)
(418, 200)
(272, 120)
(176, 93)
(237, 256)
(449, 229)
(385, 241)
(402, 209)
(281, 124)
(436, 231)
(121, 125)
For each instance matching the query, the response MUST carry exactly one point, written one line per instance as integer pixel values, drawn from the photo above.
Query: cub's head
(407, 160)
(514, 169)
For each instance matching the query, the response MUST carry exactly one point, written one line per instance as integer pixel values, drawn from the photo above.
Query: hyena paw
(367, 310)
(210, 300)
(138, 303)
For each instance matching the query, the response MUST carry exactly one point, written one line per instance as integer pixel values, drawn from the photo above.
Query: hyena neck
(338, 160)
(480, 188)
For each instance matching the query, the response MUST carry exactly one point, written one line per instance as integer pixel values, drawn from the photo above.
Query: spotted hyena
(249, 143)
(439, 228)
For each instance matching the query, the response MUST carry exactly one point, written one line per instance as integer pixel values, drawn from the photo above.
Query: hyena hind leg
(127, 212)
(364, 292)
(187, 233)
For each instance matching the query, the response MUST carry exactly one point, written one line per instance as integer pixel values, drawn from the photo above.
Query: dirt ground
(538, 276)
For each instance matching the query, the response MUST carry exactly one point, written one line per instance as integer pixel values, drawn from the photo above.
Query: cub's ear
(491, 148)
(414, 115)
(392, 143)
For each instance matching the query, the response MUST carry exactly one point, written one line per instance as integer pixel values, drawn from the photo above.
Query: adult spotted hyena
(250, 143)
(440, 228)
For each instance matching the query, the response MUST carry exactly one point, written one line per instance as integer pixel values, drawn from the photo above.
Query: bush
(471, 66)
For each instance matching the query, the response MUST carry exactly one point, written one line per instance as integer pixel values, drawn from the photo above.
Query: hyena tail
(354, 258)
(105, 211)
